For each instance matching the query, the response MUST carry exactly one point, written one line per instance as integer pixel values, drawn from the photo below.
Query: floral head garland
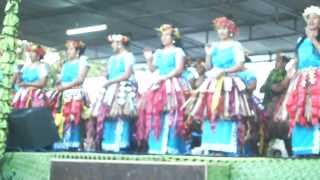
(224, 22)
(172, 29)
(118, 37)
(37, 49)
(75, 43)
(310, 10)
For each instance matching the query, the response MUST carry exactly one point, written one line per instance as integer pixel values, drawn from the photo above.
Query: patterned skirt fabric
(222, 106)
(69, 108)
(28, 98)
(303, 98)
(219, 98)
(164, 98)
(119, 101)
(301, 107)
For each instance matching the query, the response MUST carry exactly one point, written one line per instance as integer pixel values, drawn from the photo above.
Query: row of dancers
(218, 98)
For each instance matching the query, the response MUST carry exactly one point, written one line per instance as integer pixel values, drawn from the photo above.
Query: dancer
(31, 79)
(70, 105)
(115, 109)
(221, 101)
(303, 92)
(160, 121)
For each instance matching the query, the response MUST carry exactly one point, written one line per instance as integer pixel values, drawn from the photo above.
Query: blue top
(309, 56)
(165, 61)
(30, 74)
(71, 70)
(226, 54)
(118, 64)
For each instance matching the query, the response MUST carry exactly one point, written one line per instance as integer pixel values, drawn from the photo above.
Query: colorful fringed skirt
(222, 106)
(67, 118)
(303, 103)
(28, 98)
(161, 119)
(113, 112)
(303, 106)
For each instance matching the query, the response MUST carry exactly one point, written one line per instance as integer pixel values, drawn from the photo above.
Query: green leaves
(7, 60)
(8, 44)
(3, 124)
(5, 109)
(3, 137)
(12, 6)
(10, 31)
(11, 20)
(5, 95)
(6, 83)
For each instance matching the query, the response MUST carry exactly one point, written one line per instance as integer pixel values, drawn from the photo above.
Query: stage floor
(36, 166)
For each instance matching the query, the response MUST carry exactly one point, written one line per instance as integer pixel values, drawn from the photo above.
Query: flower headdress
(311, 10)
(224, 22)
(37, 49)
(76, 44)
(118, 37)
(172, 29)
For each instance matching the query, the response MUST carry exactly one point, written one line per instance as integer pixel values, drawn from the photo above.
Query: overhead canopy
(265, 25)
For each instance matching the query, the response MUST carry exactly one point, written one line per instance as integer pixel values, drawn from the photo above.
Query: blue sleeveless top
(309, 56)
(226, 57)
(71, 70)
(117, 65)
(223, 58)
(30, 74)
(165, 62)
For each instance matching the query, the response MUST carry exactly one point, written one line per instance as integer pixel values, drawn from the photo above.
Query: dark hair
(81, 50)
(247, 59)
(126, 44)
(285, 59)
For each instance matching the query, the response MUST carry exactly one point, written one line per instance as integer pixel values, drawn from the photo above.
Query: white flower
(117, 37)
(311, 10)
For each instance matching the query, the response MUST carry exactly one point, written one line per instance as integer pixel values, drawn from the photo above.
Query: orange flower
(37, 49)
(224, 22)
